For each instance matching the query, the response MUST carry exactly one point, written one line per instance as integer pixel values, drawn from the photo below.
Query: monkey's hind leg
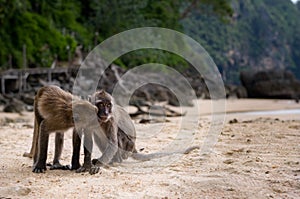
(34, 141)
(40, 156)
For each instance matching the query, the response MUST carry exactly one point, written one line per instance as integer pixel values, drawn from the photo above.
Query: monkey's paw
(84, 168)
(58, 166)
(94, 170)
(38, 169)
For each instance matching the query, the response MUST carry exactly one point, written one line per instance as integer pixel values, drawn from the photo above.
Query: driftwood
(163, 111)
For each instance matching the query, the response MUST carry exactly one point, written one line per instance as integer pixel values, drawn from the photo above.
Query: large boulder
(277, 84)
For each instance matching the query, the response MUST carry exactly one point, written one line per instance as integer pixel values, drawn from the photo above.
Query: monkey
(59, 137)
(107, 136)
(116, 136)
(56, 111)
(45, 100)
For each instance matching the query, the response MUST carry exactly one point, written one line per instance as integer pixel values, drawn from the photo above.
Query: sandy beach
(253, 153)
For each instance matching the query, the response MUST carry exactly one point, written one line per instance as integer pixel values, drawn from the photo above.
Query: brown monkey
(116, 136)
(106, 137)
(56, 110)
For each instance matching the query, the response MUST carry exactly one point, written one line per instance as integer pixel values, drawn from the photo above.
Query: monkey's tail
(146, 157)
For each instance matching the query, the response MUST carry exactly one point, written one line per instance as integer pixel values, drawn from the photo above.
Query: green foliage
(216, 8)
(145, 56)
(42, 39)
(63, 15)
(256, 34)
(116, 16)
(47, 27)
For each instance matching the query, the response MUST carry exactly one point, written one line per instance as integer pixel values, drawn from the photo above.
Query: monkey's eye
(108, 105)
(100, 104)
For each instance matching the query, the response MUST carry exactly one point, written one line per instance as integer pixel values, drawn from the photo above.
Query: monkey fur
(56, 110)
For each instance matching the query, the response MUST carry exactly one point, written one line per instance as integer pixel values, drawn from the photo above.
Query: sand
(254, 155)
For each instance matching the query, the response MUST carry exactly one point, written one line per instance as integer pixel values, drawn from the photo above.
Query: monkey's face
(104, 109)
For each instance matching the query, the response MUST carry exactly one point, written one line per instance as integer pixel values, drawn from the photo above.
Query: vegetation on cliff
(238, 34)
(263, 34)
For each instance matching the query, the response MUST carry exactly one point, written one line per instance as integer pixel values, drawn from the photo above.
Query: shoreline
(249, 107)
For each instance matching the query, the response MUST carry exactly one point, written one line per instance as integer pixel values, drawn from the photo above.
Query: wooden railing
(21, 75)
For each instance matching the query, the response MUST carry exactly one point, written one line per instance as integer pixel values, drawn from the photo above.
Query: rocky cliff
(262, 34)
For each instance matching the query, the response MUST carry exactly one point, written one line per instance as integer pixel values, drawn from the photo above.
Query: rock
(241, 92)
(2, 100)
(14, 106)
(89, 75)
(228, 161)
(233, 121)
(276, 84)
(233, 91)
(28, 99)
(29, 108)
(197, 82)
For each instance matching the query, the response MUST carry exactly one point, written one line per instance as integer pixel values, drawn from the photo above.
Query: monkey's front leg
(76, 138)
(87, 164)
(110, 150)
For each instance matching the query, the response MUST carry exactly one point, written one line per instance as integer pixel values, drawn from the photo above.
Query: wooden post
(25, 76)
(49, 76)
(3, 85)
(69, 55)
(20, 82)
(24, 56)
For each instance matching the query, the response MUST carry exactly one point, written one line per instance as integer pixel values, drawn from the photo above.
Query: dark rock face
(233, 91)
(258, 37)
(277, 84)
(150, 92)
